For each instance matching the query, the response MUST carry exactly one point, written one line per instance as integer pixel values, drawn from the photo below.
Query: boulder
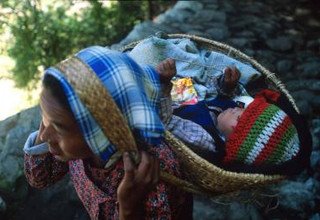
(280, 43)
(14, 133)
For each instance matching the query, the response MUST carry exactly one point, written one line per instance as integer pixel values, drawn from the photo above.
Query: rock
(316, 133)
(266, 58)
(3, 206)
(302, 12)
(219, 34)
(314, 45)
(176, 16)
(305, 56)
(304, 107)
(284, 66)
(212, 5)
(313, 23)
(254, 8)
(315, 102)
(249, 52)
(242, 211)
(315, 160)
(140, 31)
(280, 44)
(213, 16)
(228, 7)
(190, 27)
(5, 127)
(55, 202)
(232, 209)
(315, 217)
(295, 198)
(239, 42)
(310, 69)
(204, 210)
(309, 84)
(194, 6)
(245, 33)
(265, 28)
(303, 95)
(246, 21)
(11, 157)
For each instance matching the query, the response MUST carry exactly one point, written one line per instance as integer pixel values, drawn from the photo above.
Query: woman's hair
(50, 83)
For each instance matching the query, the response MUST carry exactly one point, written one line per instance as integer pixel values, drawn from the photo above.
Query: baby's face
(228, 119)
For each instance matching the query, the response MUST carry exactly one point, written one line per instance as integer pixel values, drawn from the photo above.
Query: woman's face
(228, 119)
(60, 130)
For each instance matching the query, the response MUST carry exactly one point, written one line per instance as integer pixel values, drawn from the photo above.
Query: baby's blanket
(201, 65)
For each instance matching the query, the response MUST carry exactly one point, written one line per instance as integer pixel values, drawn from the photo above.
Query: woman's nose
(45, 134)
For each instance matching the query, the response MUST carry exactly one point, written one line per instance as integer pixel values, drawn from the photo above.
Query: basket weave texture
(202, 177)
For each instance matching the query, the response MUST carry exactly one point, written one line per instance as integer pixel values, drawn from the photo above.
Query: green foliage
(43, 37)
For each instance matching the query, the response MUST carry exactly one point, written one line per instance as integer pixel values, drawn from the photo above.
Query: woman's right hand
(137, 182)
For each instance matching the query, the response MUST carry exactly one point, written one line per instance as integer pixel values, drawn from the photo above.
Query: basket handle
(99, 102)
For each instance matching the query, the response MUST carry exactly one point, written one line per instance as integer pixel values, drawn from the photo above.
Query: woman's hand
(135, 185)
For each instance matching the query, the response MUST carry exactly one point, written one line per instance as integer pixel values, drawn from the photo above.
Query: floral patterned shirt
(97, 188)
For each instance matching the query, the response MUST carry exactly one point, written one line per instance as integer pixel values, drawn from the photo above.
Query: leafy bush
(44, 36)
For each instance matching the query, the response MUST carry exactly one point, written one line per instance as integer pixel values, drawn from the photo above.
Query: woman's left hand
(136, 183)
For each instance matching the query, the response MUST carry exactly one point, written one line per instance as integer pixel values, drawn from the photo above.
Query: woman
(71, 140)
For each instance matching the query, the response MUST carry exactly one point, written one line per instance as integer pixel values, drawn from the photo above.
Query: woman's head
(134, 89)
(60, 129)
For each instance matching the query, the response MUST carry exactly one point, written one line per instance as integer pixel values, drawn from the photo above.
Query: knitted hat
(264, 135)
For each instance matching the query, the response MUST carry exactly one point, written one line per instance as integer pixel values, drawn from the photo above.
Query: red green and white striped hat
(264, 135)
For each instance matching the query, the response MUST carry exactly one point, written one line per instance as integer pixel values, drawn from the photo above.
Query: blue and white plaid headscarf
(135, 89)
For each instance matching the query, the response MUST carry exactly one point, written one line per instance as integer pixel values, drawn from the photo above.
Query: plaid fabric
(191, 134)
(187, 131)
(135, 89)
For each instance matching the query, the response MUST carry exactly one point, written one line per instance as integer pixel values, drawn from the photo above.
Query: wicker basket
(202, 177)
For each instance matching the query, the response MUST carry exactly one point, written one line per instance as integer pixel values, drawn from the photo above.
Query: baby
(256, 136)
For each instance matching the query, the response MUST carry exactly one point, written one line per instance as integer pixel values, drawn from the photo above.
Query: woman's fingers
(129, 168)
(145, 168)
(145, 175)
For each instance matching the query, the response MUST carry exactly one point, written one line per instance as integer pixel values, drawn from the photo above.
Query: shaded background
(284, 36)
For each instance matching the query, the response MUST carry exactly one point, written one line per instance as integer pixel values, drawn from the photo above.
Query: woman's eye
(58, 129)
